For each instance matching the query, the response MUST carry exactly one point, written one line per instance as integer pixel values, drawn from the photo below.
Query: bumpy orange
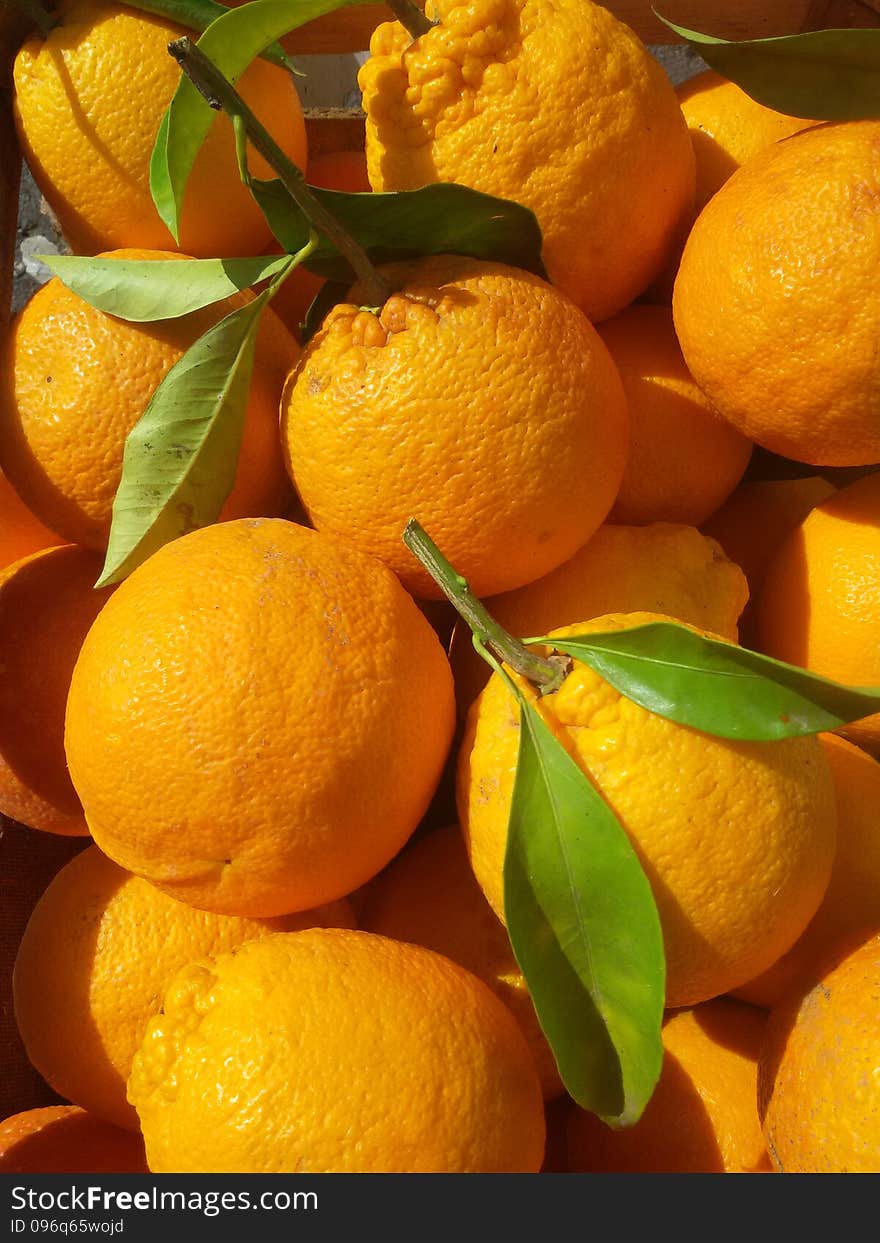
(429, 896)
(336, 1051)
(684, 459)
(478, 400)
(75, 383)
(98, 950)
(851, 904)
(47, 605)
(660, 568)
(775, 301)
(736, 838)
(259, 722)
(818, 1090)
(88, 101)
(556, 105)
(703, 1116)
(64, 1139)
(818, 605)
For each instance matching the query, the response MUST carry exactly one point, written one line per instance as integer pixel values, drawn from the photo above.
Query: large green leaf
(823, 75)
(198, 15)
(584, 928)
(714, 686)
(180, 459)
(142, 290)
(231, 43)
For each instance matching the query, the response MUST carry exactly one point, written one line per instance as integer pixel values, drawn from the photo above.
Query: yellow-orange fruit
(64, 1139)
(21, 532)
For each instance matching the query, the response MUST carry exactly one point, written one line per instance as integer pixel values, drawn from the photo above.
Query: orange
(77, 381)
(684, 459)
(775, 302)
(429, 896)
(452, 404)
(88, 102)
(64, 1139)
(736, 838)
(259, 722)
(818, 1089)
(818, 605)
(335, 1051)
(552, 103)
(98, 950)
(753, 523)
(852, 901)
(703, 1116)
(47, 604)
(660, 568)
(21, 533)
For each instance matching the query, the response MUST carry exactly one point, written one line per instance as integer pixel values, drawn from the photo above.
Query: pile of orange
(284, 947)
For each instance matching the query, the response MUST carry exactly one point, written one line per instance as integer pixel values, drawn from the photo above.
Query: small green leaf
(198, 15)
(822, 75)
(585, 930)
(180, 459)
(231, 42)
(715, 686)
(143, 290)
(440, 219)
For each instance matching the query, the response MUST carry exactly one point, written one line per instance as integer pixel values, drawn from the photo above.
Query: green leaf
(231, 42)
(180, 459)
(144, 290)
(585, 930)
(439, 219)
(823, 75)
(198, 15)
(717, 687)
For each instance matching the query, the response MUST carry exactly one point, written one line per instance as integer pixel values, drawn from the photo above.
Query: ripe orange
(660, 568)
(259, 721)
(88, 102)
(818, 1089)
(21, 532)
(684, 459)
(76, 382)
(557, 106)
(452, 405)
(47, 605)
(335, 1051)
(736, 838)
(64, 1139)
(703, 1116)
(429, 896)
(852, 901)
(775, 302)
(97, 952)
(818, 605)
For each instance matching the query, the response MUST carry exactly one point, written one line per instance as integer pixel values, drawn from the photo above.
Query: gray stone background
(328, 82)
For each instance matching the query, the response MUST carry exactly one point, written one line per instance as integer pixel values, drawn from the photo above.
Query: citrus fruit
(659, 568)
(335, 1051)
(64, 1139)
(21, 532)
(259, 722)
(775, 303)
(817, 1078)
(47, 605)
(703, 1115)
(852, 901)
(736, 838)
(77, 381)
(88, 101)
(429, 896)
(819, 602)
(684, 459)
(99, 948)
(557, 106)
(754, 522)
(451, 404)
